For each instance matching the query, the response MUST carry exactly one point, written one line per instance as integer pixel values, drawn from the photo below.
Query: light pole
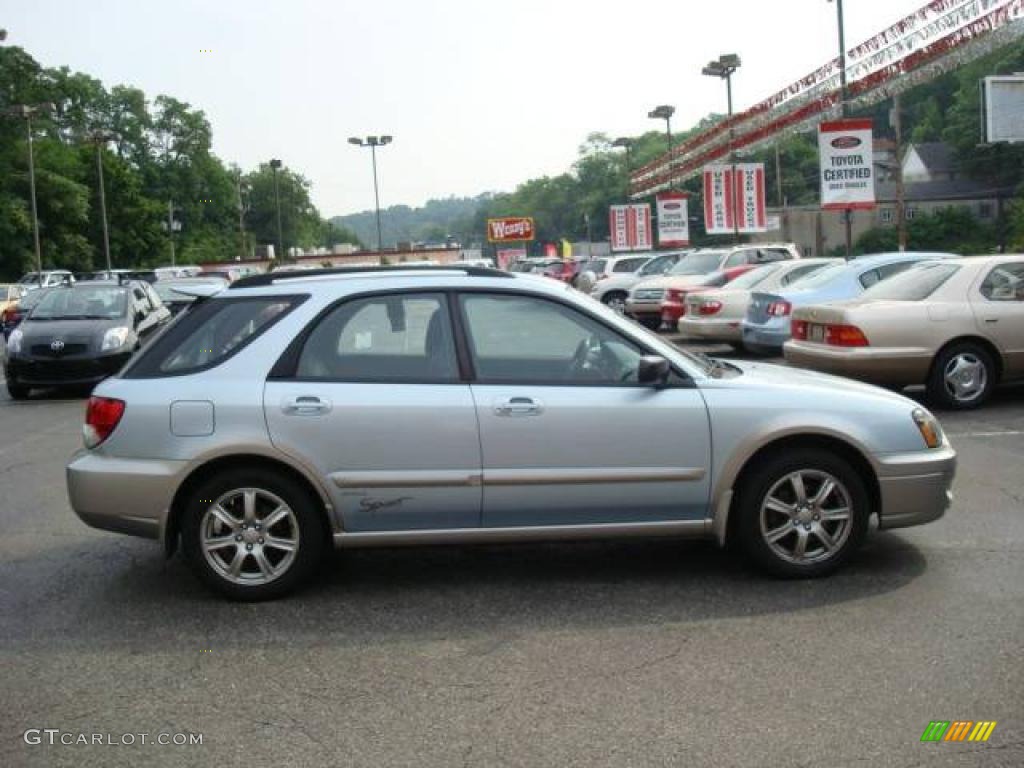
(844, 111)
(100, 138)
(373, 142)
(275, 165)
(626, 144)
(724, 67)
(665, 112)
(26, 112)
(241, 215)
(172, 226)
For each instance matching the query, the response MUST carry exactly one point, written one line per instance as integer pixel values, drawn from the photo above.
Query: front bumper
(916, 488)
(876, 365)
(714, 330)
(643, 309)
(57, 372)
(130, 496)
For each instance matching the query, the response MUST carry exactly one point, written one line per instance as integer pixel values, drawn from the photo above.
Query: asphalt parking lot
(633, 653)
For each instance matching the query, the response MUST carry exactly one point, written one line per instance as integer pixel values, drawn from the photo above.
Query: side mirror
(653, 370)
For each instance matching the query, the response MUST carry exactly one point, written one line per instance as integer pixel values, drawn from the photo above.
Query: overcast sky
(480, 95)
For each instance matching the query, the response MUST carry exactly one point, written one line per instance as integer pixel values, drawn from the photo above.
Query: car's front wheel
(252, 535)
(17, 391)
(802, 514)
(615, 301)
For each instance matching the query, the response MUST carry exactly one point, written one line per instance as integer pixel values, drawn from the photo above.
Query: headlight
(929, 427)
(115, 338)
(14, 342)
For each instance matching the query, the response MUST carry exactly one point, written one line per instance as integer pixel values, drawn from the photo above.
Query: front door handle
(519, 406)
(305, 405)
(991, 319)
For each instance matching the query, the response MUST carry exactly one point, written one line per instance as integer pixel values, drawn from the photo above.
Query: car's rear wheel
(17, 391)
(252, 535)
(615, 301)
(802, 514)
(962, 377)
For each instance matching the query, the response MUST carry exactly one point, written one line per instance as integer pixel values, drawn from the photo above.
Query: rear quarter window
(209, 333)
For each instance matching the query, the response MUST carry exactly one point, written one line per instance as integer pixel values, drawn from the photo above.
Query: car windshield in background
(914, 284)
(168, 291)
(698, 263)
(92, 302)
(755, 276)
(657, 266)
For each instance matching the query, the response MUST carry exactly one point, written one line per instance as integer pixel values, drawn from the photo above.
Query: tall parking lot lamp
(26, 112)
(724, 67)
(275, 166)
(665, 112)
(100, 138)
(373, 142)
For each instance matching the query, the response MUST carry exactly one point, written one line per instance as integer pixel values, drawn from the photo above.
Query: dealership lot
(635, 653)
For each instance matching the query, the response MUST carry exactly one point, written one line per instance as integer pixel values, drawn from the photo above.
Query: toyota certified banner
(847, 165)
(630, 227)
(673, 220)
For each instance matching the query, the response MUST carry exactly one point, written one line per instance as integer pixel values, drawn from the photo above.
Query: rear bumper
(757, 336)
(717, 330)
(37, 372)
(916, 488)
(131, 496)
(882, 366)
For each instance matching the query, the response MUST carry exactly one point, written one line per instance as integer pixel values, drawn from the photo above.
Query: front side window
(1004, 283)
(527, 340)
(396, 337)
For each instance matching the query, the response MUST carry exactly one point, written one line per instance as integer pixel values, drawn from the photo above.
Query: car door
(998, 304)
(568, 435)
(373, 400)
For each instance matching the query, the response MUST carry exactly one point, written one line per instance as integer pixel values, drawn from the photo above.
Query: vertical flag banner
(673, 220)
(718, 213)
(630, 227)
(750, 198)
(847, 166)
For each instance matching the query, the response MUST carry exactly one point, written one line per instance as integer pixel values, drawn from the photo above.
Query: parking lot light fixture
(100, 138)
(724, 67)
(627, 144)
(373, 142)
(275, 166)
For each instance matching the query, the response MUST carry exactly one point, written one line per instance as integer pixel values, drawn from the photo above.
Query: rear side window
(209, 333)
(1004, 283)
(629, 265)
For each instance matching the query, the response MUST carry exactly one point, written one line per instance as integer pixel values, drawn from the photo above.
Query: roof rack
(269, 278)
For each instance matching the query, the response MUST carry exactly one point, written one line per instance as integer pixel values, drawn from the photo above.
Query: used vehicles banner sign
(673, 219)
(734, 199)
(630, 227)
(847, 164)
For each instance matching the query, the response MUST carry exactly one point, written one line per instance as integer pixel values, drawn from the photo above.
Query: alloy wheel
(965, 377)
(806, 517)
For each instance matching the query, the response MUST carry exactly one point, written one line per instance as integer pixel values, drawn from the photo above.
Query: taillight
(800, 330)
(779, 308)
(102, 415)
(845, 336)
(674, 295)
(710, 307)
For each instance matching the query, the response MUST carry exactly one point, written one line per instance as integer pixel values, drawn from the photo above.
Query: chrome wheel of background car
(806, 517)
(249, 536)
(616, 303)
(965, 377)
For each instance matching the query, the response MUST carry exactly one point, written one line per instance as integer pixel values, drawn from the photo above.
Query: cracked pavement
(623, 653)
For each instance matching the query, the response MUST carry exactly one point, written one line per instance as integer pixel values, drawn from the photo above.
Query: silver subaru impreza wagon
(390, 406)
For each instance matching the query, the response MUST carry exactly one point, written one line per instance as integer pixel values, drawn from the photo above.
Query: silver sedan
(399, 406)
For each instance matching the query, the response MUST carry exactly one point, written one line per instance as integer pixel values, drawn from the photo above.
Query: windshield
(914, 284)
(167, 289)
(92, 302)
(698, 263)
(659, 265)
(29, 279)
(754, 276)
(821, 276)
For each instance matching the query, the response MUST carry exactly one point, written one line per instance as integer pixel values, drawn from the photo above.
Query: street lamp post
(665, 112)
(99, 138)
(373, 142)
(275, 165)
(26, 112)
(724, 67)
(242, 254)
(844, 111)
(626, 144)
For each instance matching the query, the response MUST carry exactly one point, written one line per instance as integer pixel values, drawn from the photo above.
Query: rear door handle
(519, 406)
(305, 405)
(991, 319)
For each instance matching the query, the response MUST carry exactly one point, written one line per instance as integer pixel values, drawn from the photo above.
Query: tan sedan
(717, 316)
(956, 327)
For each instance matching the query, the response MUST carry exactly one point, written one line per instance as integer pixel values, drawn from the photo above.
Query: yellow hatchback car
(955, 326)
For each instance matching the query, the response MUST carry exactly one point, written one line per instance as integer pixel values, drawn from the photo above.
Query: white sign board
(846, 152)
(673, 220)
(1004, 108)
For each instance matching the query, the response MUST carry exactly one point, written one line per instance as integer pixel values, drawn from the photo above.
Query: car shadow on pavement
(124, 594)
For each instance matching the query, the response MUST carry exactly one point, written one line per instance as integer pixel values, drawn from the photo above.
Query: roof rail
(269, 278)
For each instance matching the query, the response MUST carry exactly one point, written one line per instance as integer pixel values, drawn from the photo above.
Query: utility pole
(242, 254)
(275, 164)
(780, 199)
(25, 112)
(901, 191)
(99, 138)
(170, 227)
(724, 67)
(373, 142)
(844, 112)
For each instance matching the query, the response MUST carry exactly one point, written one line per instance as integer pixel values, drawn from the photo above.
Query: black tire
(613, 296)
(967, 351)
(773, 475)
(305, 527)
(17, 391)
